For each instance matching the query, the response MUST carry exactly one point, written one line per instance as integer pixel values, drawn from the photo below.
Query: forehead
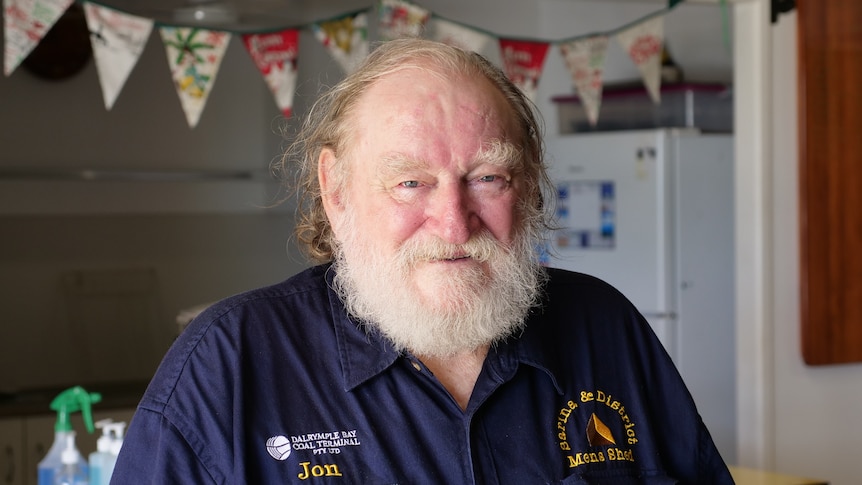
(433, 108)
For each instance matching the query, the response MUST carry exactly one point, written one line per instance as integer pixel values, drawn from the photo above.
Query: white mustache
(482, 248)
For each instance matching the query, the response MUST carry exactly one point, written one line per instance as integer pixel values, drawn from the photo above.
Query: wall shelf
(130, 175)
(45, 191)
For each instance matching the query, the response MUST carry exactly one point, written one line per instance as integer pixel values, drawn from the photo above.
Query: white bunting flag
(194, 57)
(458, 35)
(345, 38)
(585, 59)
(25, 23)
(401, 19)
(643, 43)
(118, 39)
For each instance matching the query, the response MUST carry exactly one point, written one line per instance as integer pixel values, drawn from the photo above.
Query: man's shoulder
(569, 287)
(578, 304)
(288, 314)
(296, 290)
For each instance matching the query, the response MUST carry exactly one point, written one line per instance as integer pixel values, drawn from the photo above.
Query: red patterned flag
(643, 42)
(275, 55)
(523, 62)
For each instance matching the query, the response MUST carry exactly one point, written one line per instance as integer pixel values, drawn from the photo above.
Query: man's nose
(453, 214)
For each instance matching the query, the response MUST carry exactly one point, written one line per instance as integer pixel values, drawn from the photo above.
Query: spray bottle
(108, 446)
(64, 459)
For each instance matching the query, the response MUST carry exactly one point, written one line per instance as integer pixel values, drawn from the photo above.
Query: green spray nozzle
(72, 400)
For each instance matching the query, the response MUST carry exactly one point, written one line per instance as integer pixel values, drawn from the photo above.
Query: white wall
(817, 432)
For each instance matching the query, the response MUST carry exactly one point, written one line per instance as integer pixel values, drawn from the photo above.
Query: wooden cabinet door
(12, 451)
(38, 438)
(830, 142)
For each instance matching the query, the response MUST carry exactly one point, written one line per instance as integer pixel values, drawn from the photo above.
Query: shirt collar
(364, 353)
(531, 347)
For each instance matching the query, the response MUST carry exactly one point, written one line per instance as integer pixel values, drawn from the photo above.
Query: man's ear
(329, 191)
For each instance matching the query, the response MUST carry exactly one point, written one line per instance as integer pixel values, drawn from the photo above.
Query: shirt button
(416, 366)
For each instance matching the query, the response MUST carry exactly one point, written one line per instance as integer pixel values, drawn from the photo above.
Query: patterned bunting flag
(399, 18)
(194, 57)
(458, 35)
(345, 38)
(275, 56)
(118, 39)
(522, 62)
(643, 42)
(25, 23)
(585, 59)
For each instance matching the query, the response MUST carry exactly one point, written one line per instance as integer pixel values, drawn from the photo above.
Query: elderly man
(429, 347)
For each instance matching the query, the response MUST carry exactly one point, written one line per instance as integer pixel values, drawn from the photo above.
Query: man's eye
(410, 184)
(494, 179)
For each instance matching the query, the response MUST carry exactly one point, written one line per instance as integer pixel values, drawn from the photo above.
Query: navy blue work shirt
(279, 386)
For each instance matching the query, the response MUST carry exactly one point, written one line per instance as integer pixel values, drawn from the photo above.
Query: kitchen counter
(38, 401)
(750, 476)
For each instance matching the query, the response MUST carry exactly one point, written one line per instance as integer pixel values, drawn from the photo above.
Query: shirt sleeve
(155, 453)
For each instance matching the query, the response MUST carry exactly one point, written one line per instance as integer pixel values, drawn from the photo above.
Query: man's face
(424, 166)
(429, 215)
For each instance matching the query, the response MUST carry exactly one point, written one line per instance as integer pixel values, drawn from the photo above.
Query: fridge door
(612, 211)
(706, 339)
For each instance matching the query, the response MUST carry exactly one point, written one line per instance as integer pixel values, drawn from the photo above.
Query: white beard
(445, 309)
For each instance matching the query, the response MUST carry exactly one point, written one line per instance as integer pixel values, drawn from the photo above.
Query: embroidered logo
(305, 446)
(598, 434)
(603, 441)
(278, 447)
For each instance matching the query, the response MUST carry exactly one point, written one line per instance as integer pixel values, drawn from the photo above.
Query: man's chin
(447, 288)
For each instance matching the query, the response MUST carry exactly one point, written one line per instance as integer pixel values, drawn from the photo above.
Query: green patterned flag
(194, 56)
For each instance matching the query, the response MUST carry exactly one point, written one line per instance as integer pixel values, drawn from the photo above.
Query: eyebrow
(397, 163)
(496, 152)
(500, 153)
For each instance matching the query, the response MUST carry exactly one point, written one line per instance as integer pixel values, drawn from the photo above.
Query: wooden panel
(830, 114)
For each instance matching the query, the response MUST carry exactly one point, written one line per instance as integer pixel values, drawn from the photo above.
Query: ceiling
(259, 15)
(240, 15)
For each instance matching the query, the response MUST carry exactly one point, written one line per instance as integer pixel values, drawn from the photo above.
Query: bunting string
(194, 54)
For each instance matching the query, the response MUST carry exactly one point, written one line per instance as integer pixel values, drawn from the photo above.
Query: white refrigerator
(651, 212)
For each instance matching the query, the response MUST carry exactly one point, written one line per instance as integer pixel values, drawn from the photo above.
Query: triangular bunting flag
(194, 57)
(643, 43)
(275, 55)
(26, 22)
(523, 62)
(399, 18)
(455, 34)
(345, 38)
(585, 59)
(118, 39)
